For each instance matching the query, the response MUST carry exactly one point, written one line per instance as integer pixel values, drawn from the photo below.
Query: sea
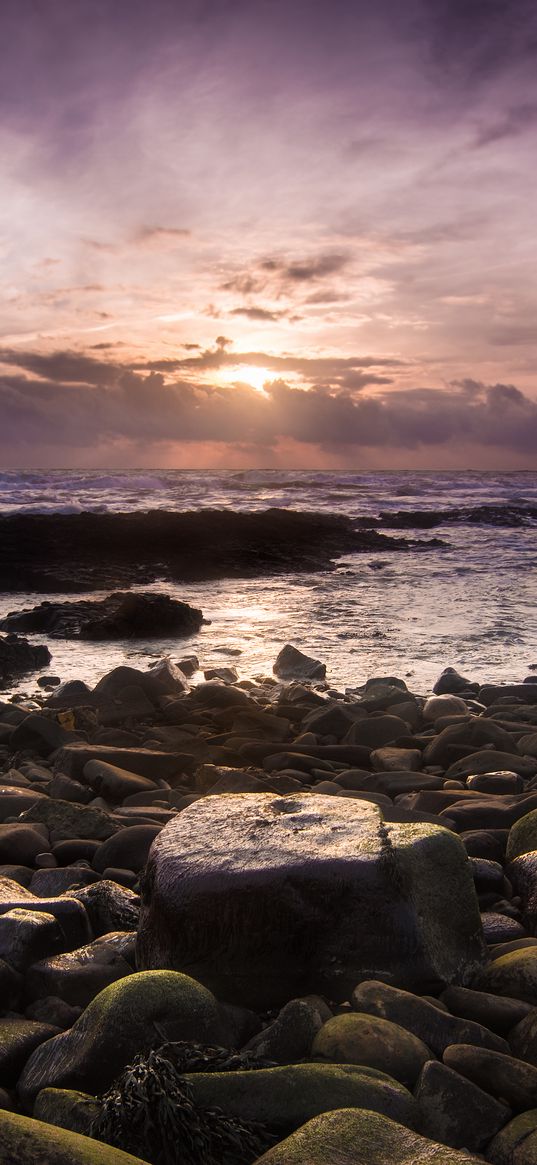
(471, 605)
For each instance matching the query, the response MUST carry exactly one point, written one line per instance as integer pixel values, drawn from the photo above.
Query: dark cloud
(258, 313)
(156, 234)
(513, 122)
(306, 270)
(130, 407)
(476, 40)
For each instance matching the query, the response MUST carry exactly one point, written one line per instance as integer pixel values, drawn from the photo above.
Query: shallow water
(472, 606)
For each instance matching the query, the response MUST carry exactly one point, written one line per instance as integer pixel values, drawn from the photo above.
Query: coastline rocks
(513, 974)
(292, 664)
(284, 1098)
(127, 1018)
(118, 616)
(67, 819)
(455, 1111)
(437, 1028)
(17, 657)
(244, 891)
(24, 1141)
(353, 1136)
(502, 1076)
(373, 1042)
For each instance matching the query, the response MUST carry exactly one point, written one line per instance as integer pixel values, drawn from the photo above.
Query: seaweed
(150, 1112)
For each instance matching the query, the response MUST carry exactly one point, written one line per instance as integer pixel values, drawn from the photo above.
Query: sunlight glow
(247, 374)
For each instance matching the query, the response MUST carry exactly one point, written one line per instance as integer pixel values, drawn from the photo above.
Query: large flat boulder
(263, 898)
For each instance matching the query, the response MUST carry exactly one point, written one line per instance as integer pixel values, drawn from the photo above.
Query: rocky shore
(73, 553)
(267, 922)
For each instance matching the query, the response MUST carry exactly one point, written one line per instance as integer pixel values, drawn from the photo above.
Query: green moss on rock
(24, 1141)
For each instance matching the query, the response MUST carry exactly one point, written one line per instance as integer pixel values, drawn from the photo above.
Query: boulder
(434, 1026)
(246, 891)
(376, 1043)
(284, 1098)
(145, 762)
(455, 1111)
(66, 819)
(24, 1141)
(127, 850)
(28, 935)
(503, 1076)
(129, 615)
(497, 1012)
(17, 657)
(78, 976)
(516, 1144)
(109, 906)
(114, 783)
(354, 1136)
(290, 1036)
(18, 1039)
(292, 664)
(522, 836)
(128, 1018)
(513, 974)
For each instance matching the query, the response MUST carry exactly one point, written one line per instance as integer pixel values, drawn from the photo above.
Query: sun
(249, 374)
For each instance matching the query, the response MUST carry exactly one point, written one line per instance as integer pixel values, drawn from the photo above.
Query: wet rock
(53, 883)
(522, 836)
(78, 976)
(436, 1028)
(28, 935)
(516, 1144)
(284, 1098)
(489, 760)
(14, 801)
(17, 657)
(52, 1010)
(504, 1077)
(513, 974)
(455, 1111)
(443, 705)
(376, 1043)
(18, 1039)
(451, 683)
(128, 1018)
(290, 1036)
(291, 663)
(109, 906)
(354, 1136)
(39, 734)
(118, 616)
(271, 873)
(498, 928)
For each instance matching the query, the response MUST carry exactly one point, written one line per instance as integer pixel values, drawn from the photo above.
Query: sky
(268, 233)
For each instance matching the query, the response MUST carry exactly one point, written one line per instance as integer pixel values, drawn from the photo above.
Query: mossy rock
(24, 1141)
(522, 836)
(284, 1098)
(513, 974)
(516, 1144)
(374, 1042)
(352, 1136)
(67, 1108)
(127, 1018)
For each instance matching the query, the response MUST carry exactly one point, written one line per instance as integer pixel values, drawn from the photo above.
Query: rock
(284, 1098)
(78, 976)
(485, 843)
(513, 974)
(443, 705)
(76, 849)
(523, 876)
(10, 987)
(128, 1018)
(24, 1141)
(132, 615)
(516, 1144)
(388, 759)
(49, 682)
(162, 679)
(20, 844)
(52, 883)
(39, 734)
(71, 694)
(290, 1036)
(65, 820)
(17, 657)
(450, 683)
(291, 663)
(271, 874)
(229, 675)
(14, 801)
(503, 1076)
(436, 1028)
(455, 1111)
(54, 1011)
(376, 1043)
(28, 935)
(67, 1108)
(144, 762)
(496, 783)
(71, 916)
(377, 731)
(525, 693)
(497, 1012)
(109, 906)
(492, 760)
(128, 849)
(522, 836)
(498, 928)
(18, 1039)
(354, 1136)
(114, 783)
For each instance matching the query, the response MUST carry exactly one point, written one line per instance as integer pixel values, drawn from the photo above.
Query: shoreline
(91, 779)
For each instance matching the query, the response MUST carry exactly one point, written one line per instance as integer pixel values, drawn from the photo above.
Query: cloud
(306, 270)
(513, 122)
(98, 403)
(161, 235)
(259, 314)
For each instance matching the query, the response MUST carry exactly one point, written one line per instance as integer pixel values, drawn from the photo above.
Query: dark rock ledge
(79, 552)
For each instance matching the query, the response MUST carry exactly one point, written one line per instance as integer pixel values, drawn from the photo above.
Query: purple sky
(268, 233)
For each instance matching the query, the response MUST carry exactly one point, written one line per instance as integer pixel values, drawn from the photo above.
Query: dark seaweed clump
(149, 1111)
